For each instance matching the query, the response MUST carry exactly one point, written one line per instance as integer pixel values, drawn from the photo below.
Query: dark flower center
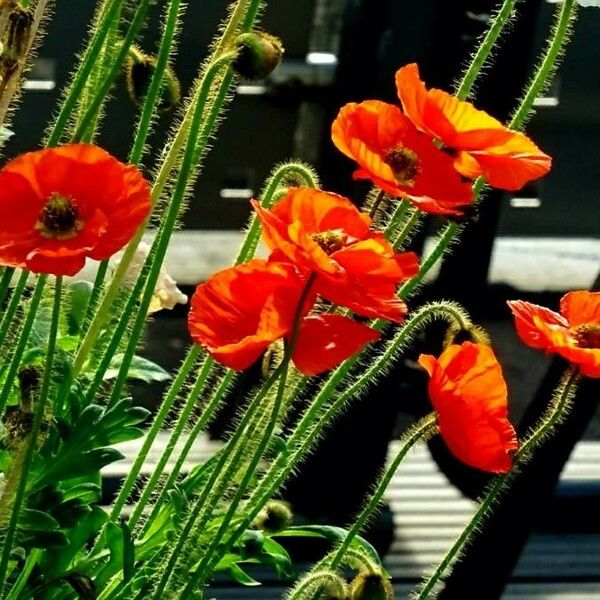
(588, 336)
(330, 241)
(59, 218)
(404, 164)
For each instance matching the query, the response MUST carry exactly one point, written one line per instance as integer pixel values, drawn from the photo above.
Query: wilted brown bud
(18, 34)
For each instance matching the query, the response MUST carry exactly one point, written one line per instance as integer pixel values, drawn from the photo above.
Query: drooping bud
(258, 53)
(30, 378)
(371, 586)
(18, 35)
(471, 333)
(139, 69)
(274, 517)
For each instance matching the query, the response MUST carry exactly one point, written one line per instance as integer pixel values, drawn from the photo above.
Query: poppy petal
(468, 392)
(581, 308)
(326, 340)
(534, 323)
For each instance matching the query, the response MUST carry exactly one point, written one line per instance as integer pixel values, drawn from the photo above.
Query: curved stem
(423, 430)
(33, 436)
(558, 405)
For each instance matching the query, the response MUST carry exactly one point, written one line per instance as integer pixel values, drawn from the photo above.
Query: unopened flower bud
(470, 333)
(17, 425)
(371, 586)
(258, 54)
(272, 358)
(139, 69)
(30, 378)
(18, 34)
(274, 517)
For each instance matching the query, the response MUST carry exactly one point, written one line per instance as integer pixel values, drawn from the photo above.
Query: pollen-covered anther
(59, 218)
(588, 336)
(404, 164)
(330, 241)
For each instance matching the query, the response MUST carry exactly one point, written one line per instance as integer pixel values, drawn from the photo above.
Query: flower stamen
(59, 218)
(588, 336)
(404, 164)
(330, 241)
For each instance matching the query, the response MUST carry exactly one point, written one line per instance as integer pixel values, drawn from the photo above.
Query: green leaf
(141, 368)
(114, 541)
(44, 539)
(37, 520)
(239, 575)
(88, 493)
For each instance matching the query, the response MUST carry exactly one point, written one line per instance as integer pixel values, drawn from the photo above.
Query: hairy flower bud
(30, 378)
(371, 586)
(258, 54)
(17, 425)
(274, 517)
(139, 69)
(18, 35)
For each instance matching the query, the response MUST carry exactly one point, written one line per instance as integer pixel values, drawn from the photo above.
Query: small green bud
(258, 53)
(275, 516)
(139, 69)
(371, 586)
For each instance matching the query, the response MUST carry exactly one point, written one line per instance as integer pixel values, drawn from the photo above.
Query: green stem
(499, 22)
(315, 420)
(96, 290)
(162, 61)
(549, 63)
(107, 82)
(23, 339)
(7, 275)
(33, 436)
(200, 504)
(11, 309)
(162, 240)
(201, 573)
(30, 562)
(81, 77)
(425, 429)
(558, 406)
(207, 414)
(157, 423)
(404, 235)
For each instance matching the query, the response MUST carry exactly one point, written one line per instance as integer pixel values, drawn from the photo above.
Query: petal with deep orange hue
(326, 340)
(468, 392)
(239, 312)
(369, 131)
(574, 334)
(112, 200)
(326, 235)
(507, 159)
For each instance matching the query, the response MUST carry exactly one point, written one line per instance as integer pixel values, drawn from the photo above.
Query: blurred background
(534, 244)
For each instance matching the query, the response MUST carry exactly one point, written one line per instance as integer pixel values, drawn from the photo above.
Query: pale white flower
(166, 293)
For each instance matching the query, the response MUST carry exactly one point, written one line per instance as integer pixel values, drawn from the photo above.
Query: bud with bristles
(371, 586)
(258, 53)
(139, 69)
(275, 516)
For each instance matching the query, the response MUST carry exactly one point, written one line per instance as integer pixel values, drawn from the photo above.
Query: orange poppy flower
(399, 159)
(240, 311)
(327, 235)
(468, 392)
(574, 333)
(61, 205)
(507, 159)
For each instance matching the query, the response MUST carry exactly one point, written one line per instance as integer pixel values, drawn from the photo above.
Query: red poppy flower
(468, 392)
(61, 205)
(399, 159)
(239, 312)
(574, 333)
(327, 235)
(507, 159)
